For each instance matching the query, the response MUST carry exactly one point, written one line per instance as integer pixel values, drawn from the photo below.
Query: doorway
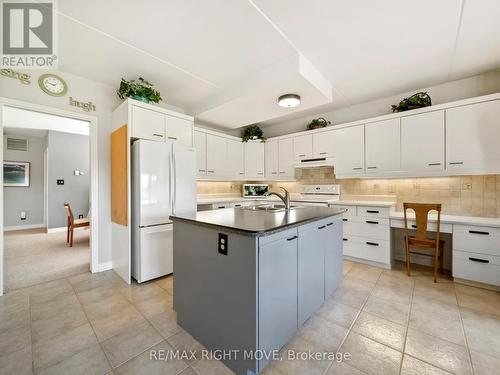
(53, 153)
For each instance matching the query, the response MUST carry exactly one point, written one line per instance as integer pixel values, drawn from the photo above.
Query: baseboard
(56, 230)
(21, 227)
(106, 266)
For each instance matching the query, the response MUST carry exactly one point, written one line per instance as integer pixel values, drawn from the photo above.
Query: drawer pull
(456, 163)
(172, 138)
(371, 167)
(432, 164)
(414, 226)
(479, 232)
(201, 170)
(221, 207)
(242, 173)
(322, 227)
(344, 219)
(479, 260)
(274, 172)
(329, 224)
(371, 222)
(157, 135)
(283, 172)
(259, 173)
(237, 205)
(302, 155)
(345, 239)
(357, 168)
(323, 153)
(292, 238)
(211, 171)
(372, 243)
(372, 211)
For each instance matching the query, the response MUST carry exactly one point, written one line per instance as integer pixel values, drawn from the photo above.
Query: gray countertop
(257, 223)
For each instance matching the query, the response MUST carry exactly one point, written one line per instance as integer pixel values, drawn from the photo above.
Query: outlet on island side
(222, 244)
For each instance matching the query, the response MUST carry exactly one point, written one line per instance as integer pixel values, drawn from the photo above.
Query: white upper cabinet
(235, 159)
(216, 156)
(349, 146)
(383, 146)
(302, 147)
(200, 145)
(272, 159)
(323, 144)
(472, 137)
(286, 159)
(147, 124)
(254, 160)
(179, 130)
(422, 142)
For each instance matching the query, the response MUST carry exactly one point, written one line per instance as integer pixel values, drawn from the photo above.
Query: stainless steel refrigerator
(163, 183)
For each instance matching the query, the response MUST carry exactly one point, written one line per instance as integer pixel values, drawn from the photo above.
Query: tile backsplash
(459, 195)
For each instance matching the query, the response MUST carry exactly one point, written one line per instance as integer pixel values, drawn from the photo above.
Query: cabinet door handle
(479, 232)
(329, 224)
(201, 170)
(456, 162)
(211, 171)
(302, 155)
(322, 227)
(372, 243)
(345, 239)
(372, 211)
(357, 168)
(431, 164)
(479, 260)
(292, 238)
(274, 172)
(323, 153)
(158, 135)
(221, 207)
(344, 219)
(371, 222)
(242, 172)
(371, 167)
(259, 173)
(172, 137)
(237, 205)
(282, 172)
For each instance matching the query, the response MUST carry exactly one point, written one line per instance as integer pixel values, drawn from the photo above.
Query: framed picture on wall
(16, 173)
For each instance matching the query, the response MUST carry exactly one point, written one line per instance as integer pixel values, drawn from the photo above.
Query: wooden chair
(72, 223)
(432, 247)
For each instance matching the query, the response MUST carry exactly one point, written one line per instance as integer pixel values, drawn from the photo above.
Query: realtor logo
(28, 34)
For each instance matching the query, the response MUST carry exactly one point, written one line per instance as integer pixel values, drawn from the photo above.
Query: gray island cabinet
(246, 281)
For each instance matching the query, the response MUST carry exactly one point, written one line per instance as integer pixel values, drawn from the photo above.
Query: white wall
(482, 84)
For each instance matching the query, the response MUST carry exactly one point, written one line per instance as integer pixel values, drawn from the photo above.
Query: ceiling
(227, 61)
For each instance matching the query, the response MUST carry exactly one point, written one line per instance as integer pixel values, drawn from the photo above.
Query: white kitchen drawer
(476, 267)
(217, 206)
(480, 240)
(373, 211)
(371, 228)
(362, 248)
(431, 227)
(350, 210)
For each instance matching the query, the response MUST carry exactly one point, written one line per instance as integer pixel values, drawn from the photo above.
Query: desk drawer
(373, 211)
(375, 228)
(480, 240)
(362, 248)
(476, 267)
(431, 227)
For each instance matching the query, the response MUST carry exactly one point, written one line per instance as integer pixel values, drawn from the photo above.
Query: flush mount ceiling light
(289, 100)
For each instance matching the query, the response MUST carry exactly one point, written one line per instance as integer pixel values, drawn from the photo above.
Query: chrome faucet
(285, 199)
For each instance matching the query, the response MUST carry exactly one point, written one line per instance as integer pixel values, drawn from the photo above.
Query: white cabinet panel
(200, 145)
(179, 130)
(286, 159)
(216, 156)
(472, 134)
(302, 147)
(236, 159)
(254, 160)
(272, 159)
(383, 145)
(349, 150)
(422, 142)
(148, 124)
(323, 144)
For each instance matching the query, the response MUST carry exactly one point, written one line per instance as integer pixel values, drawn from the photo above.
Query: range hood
(314, 163)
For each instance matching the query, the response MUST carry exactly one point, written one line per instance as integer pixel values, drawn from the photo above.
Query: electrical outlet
(222, 244)
(23, 215)
(467, 186)
(80, 216)
(60, 182)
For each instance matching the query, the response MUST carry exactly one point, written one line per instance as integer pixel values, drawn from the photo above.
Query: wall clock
(52, 84)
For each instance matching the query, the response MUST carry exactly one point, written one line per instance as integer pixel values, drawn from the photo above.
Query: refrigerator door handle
(170, 187)
(174, 169)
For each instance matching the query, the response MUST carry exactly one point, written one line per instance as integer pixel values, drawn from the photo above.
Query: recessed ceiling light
(289, 100)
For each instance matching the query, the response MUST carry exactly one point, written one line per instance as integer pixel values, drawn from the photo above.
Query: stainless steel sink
(268, 208)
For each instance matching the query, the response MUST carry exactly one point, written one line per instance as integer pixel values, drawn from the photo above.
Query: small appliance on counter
(318, 195)
(163, 183)
(255, 190)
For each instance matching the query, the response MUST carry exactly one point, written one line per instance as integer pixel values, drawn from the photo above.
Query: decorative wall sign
(16, 173)
(24, 78)
(52, 84)
(87, 106)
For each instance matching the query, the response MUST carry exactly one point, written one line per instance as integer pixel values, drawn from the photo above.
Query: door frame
(94, 174)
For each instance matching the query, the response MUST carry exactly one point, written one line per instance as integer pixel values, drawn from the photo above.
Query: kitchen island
(246, 279)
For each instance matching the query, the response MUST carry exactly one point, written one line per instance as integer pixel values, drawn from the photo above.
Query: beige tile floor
(387, 322)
